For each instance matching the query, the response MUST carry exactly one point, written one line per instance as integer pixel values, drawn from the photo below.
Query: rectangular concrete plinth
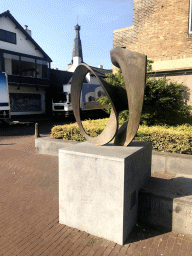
(98, 187)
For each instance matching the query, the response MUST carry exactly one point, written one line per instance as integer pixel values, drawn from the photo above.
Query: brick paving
(29, 213)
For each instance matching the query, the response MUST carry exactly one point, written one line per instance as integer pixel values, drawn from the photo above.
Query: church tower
(77, 56)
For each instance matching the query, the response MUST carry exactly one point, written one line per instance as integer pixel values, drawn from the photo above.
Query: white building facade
(26, 65)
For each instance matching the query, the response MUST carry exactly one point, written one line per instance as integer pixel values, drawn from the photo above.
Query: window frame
(9, 33)
(33, 59)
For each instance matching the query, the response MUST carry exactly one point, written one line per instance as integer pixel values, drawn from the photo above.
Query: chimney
(27, 30)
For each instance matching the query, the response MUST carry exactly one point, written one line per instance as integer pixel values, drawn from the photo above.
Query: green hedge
(168, 139)
(177, 139)
(71, 131)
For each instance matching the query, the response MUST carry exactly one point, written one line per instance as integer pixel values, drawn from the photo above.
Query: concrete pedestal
(98, 187)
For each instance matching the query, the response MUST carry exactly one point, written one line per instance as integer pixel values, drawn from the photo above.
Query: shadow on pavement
(27, 127)
(144, 231)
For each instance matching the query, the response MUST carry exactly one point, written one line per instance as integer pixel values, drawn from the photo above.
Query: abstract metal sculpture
(133, 66)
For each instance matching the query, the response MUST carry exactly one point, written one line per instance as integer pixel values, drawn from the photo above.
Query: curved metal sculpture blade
(117, 96)
(133, 66)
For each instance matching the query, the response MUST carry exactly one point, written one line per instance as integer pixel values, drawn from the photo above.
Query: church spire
(77, 48)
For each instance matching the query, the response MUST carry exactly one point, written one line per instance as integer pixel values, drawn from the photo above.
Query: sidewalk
(29, 213)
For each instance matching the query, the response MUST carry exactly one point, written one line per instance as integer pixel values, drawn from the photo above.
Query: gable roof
(58, 78)
(8, 14)
(101, 72)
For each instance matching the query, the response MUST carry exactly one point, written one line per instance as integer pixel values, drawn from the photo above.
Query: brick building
(162, 29)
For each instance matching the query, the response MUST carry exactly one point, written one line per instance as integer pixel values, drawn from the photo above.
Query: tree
(116, 79)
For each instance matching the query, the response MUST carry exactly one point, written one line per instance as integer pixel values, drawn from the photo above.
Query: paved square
(29, 213)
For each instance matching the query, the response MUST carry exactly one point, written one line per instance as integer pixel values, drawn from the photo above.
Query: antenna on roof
(77, 18)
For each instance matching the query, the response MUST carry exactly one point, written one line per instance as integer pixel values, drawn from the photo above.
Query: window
(28, 67)
(7, 36)
(11, 64)
(15, 67)
(25, 102)
(42, 69)
(59, 97)
(91, 98)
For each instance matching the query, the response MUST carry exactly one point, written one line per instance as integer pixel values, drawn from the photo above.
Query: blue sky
(52, 23)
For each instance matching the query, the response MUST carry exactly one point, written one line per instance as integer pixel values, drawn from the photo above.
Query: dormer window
(7, 36)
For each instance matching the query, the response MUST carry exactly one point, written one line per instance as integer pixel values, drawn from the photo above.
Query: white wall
(76, 61)
(23, 45)
(91, 79)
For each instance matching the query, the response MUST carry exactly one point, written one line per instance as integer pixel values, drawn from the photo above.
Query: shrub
(165, 102)
(164, 138)
(67, 132)
(71, 131)
(116, 79)
(168, 139)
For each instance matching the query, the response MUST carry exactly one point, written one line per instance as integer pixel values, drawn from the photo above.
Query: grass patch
(91, 242)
